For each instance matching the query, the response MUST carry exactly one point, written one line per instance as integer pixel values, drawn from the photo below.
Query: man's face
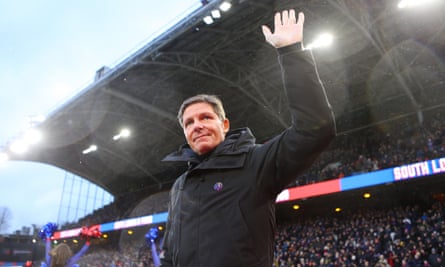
(203, 129)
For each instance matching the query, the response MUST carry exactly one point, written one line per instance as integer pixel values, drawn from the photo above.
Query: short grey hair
(212, 100)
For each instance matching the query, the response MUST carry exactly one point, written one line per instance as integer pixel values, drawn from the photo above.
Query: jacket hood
(236, 141)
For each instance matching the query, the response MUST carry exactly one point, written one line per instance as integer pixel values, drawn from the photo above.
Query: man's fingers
(285, 17)
(268, 35)
(266, 31)
(277, 19)
(292, 17)
(301, 18)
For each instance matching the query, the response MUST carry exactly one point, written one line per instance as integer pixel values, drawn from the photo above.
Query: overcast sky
(50, 50)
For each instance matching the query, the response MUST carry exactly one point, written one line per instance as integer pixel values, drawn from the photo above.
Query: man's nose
(197, 126)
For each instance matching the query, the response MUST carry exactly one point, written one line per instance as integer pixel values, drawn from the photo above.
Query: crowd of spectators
(403, 236)
(383, 146)
(408, 236)
(125, 256)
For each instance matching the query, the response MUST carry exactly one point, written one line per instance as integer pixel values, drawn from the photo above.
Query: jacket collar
(236, 142)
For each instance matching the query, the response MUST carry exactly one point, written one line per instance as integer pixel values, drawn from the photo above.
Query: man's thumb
(266, 31)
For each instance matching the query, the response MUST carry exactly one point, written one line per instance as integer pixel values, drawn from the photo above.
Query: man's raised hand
(287, 30)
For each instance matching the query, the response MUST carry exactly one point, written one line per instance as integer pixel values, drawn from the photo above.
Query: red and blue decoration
(47, 231)
(90, 232)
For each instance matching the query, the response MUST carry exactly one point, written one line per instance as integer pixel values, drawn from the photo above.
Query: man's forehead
(198, 108)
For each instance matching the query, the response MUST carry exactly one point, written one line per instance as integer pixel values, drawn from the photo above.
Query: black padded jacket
(222, 209)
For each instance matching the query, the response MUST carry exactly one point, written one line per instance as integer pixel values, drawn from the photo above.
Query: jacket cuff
(290, 48)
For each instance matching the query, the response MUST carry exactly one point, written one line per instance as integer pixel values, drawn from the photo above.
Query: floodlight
(410, 3)
(225, 6)
(90, 149)
(324, 39)
(208, 20)
(216, 14)
(18, 147)
(32, 136)
(123, 133)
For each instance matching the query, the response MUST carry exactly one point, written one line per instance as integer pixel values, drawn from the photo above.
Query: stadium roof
(385, 63)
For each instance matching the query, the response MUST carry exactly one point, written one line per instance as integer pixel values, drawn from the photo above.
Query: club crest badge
(218, 186)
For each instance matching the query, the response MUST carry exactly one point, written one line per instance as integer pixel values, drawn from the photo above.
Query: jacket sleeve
(312, 120)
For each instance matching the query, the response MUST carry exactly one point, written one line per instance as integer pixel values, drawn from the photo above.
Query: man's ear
(226, 125)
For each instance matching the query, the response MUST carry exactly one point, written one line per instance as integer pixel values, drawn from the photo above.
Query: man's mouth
(199, 137)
